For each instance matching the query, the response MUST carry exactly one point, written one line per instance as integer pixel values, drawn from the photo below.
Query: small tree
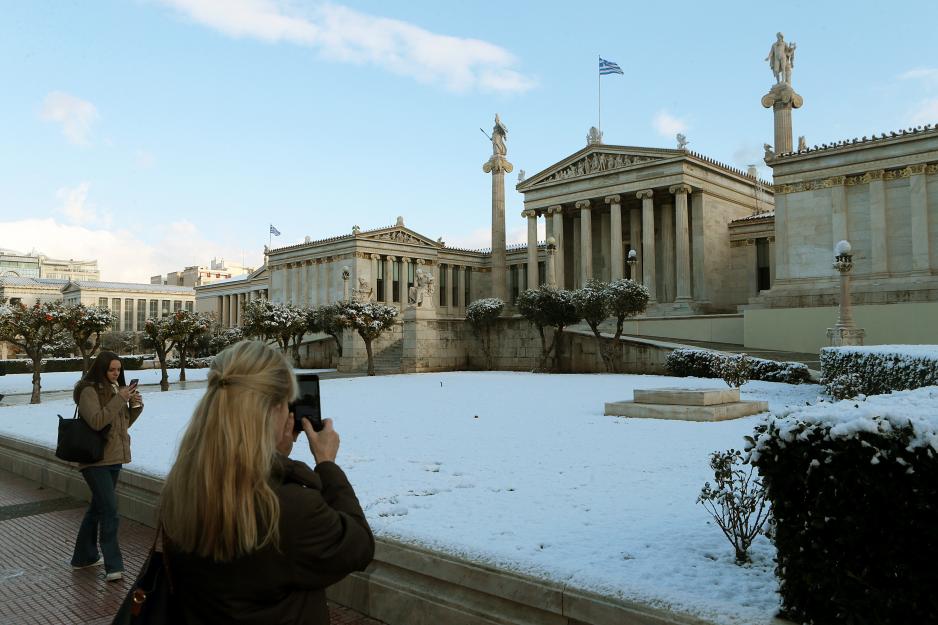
(369, 319)
(185, 328)
(327, 319)
(159, 336)
(482, 315)
(737, 503)
(85, 324)
(121, 342)
(735, 370)
(256, 320)
(592, 305)
(547, 306)
(624, 298)
(34, 329)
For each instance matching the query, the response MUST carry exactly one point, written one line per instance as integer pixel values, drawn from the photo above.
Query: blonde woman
(252, 536)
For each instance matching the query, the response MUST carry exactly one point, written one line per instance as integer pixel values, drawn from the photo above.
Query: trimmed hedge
(49, 365)
(856, 511)
(203, 362)
(851, 371)
(704, 363)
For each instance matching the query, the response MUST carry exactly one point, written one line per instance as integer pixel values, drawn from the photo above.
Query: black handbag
(151, 601)
(79, 442)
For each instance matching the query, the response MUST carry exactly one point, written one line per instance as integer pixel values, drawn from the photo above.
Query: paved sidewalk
(37, 585)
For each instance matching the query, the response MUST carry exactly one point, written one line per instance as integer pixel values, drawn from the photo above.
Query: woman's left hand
(136, 399)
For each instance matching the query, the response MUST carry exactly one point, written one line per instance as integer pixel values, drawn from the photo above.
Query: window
(513, 282)
(542, 272)
(443, 284)
(154, 308)
(102, 302)
(411, 273)
(396, 284)
(379, 281)
(455, 286)
(164, 312)
(467, 290)
(177, 305)
(116, 309)
(190, 306)
(763, 267)
(128, 314)
(141, 314)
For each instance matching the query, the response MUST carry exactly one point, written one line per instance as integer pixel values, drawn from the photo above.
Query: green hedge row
(703, 363)
(856, 511)
(851, 371)
(49, 365)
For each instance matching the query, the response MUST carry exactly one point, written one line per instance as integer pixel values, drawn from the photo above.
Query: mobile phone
(134, 382)
(307, 405)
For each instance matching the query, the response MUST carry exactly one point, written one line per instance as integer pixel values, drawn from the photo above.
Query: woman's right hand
(323, 444)
(125, 392)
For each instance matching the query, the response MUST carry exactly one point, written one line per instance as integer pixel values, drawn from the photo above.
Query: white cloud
(343, 34)
(122, 255)
(668, 125)
(77, 209)
(926, 112)
(929, 75)
(76, 116)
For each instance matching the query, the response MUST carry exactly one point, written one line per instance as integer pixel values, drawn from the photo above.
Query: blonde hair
(217, 500)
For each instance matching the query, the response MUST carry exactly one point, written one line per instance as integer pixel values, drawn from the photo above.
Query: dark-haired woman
(103, 399)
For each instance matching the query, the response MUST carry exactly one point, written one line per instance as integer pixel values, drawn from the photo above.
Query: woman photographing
(103, 398)
(251, 536)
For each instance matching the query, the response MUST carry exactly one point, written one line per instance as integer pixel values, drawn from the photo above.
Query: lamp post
(551, 251)
(632, 260)
(844, 331)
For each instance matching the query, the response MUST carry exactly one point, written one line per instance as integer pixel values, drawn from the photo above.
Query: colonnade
(230, 306)
(673, 234)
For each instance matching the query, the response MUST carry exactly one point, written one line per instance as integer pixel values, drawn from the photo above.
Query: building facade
(16, 265)
(197, 275)
(132, 303)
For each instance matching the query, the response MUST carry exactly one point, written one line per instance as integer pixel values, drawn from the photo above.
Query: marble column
(287, 269)
(389, 279)
(681, 242)
(498, 166)
(665, 268)
(635, 242)
(586, 241)
(449, 286)
(310, 283)
(557, 216)
(577, 253)
(878, 232)
(326, 272)
(605, 248)
(403, 290)
(698, 249)
(921, 262)
(224, 312)
(459, 280)
(615, 242)
(219, 306)
(233, 312)
(531, 214)
(648, 242)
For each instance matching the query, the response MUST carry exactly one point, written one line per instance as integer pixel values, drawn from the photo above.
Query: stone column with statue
(781, 98)
(498, 166)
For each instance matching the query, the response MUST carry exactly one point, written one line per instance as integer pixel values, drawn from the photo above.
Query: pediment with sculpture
(399, 235)
(592, 163)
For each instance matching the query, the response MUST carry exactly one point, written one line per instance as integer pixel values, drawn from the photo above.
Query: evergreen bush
(702, 363)
(851, 371)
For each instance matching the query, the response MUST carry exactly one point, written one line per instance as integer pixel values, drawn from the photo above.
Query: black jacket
(323, 537)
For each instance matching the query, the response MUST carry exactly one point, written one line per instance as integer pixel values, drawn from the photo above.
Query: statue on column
(499, 135)
(781, 59)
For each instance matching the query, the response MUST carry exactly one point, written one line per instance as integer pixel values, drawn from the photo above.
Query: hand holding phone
(307, 405)
(133, 384)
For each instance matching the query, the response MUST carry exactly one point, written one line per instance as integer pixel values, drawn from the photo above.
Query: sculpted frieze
(850, 181)
(595, 163)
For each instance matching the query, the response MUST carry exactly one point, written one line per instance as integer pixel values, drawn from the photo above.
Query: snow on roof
(33, 282)
(754, 216)
(132, 286)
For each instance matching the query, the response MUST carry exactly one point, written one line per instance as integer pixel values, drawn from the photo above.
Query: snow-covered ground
(523, 471)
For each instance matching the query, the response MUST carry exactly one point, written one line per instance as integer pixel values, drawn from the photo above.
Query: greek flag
(608, 67)
(274, 231)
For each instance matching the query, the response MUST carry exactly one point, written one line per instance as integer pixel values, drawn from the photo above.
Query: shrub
(704, 363)
(854, 492)
(192, 363)
(548, 307)
(50, 365)
(850, 371)
(482, 315)
(737, 504)
(735, 370)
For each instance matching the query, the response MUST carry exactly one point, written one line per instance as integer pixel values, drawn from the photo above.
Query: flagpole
(599, 91)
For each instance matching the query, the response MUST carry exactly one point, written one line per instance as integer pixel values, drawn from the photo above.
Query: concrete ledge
(406, 584)
(686, 396)
(718, 412)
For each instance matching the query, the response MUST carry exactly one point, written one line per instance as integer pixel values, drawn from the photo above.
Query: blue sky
(154, 134)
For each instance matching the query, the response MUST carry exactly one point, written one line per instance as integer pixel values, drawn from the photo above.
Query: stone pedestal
(782, 99)
(686, 404)
(420, 340)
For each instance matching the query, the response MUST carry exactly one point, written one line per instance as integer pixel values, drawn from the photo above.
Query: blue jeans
(102, 513)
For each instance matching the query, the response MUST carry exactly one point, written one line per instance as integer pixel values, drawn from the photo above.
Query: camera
(306, 405)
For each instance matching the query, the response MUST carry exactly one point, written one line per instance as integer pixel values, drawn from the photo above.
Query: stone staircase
(388, 359)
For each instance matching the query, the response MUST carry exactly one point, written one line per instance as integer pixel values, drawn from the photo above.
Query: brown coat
(323, 537)
(99, 406)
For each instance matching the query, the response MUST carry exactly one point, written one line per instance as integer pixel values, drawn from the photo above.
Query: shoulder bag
(79, 442)
(151, 601)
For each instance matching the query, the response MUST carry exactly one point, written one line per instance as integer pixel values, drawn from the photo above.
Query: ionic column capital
(680, 188)
(392, 258)
(645, 194)
(556, 208)
(376, 257)
(529, 212)
(613, 199)
(582, 204)
(420, 261)
(406, 259)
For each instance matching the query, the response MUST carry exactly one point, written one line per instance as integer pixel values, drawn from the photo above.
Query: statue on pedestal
(422, 292)
(781, 59)
(364, 291)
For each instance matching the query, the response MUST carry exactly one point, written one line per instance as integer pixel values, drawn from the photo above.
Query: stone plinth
(686, 405)
(840, 336)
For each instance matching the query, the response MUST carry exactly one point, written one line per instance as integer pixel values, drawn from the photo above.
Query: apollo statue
(781, 59)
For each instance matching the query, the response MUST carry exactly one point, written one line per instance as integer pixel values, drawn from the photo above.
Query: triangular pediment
(596, 160)
(397, 234)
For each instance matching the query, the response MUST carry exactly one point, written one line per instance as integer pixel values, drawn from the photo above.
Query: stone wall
(319, 353)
